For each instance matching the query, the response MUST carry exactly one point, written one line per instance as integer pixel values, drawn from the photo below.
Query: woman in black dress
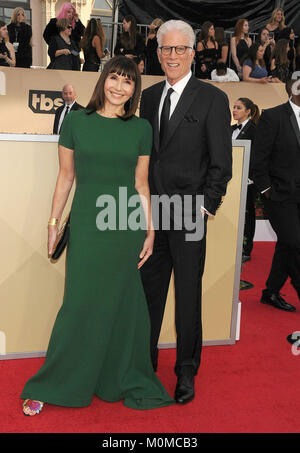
(207, 51)
(239, 45)
(153, 66)
(63, 52)
(130, 43)
(222, 44)
(276, 23)
(92, 44)
(288, 33)
(20, 34)
(69, 13)
(7, 53)
(280, 65)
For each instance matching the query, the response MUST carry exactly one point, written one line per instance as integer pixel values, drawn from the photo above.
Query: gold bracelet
(53, 221)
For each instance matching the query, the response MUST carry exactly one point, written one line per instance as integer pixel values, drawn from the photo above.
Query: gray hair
(178, 25)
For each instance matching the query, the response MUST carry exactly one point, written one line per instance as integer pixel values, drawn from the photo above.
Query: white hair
(178, 25)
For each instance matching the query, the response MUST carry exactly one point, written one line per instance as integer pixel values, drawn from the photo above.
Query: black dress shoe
(184, 392)
(276, 301)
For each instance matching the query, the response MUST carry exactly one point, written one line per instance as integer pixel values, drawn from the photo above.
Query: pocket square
(191, 119)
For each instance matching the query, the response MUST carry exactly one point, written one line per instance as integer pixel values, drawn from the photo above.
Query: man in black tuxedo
(69, 96)
(191, 155)
(276, 173)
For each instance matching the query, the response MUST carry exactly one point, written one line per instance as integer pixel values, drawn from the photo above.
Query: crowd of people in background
(273, 56)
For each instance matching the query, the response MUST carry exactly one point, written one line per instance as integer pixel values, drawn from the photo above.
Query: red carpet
(250, 387)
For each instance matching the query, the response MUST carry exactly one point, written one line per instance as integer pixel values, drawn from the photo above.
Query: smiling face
(67, 31)
(240, 113)
(176, 66)
(279, 16)
(118, 89)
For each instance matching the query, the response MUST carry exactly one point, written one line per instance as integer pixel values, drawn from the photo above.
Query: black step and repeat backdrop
(222, 13)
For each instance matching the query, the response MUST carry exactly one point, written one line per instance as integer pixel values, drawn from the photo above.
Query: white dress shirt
(63, 113)
(175, 96)
(296, 110)
(236, 132)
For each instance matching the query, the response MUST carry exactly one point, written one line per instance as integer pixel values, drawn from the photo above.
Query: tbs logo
(44, 101)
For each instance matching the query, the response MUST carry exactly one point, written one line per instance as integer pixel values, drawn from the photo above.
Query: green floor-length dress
(100, 340)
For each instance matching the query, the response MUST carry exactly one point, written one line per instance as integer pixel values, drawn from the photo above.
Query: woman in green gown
(100, 340)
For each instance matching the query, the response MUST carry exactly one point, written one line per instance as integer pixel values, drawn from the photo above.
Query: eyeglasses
(180, 50)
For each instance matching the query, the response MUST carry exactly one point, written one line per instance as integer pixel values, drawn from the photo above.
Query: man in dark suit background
(276, 174)
(192, 155)
(69, 96)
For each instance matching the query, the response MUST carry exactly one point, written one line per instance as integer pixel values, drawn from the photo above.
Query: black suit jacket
(276, 153)
(58, 112)
(247, 133)
(196, 156)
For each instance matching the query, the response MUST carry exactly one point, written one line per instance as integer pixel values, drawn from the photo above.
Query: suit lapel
(181, 108)
(156, 102)
(243, 131)
(294, 122)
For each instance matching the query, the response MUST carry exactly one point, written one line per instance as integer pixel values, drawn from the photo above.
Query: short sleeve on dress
(146, 139)
(66, 136)
(248, 63)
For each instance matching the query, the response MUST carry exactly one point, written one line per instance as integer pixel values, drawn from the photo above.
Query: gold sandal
(32, 407)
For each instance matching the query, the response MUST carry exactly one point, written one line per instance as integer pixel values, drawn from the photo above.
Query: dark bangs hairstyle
(122, 66)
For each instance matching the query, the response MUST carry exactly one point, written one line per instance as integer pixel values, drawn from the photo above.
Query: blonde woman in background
(277, 22)
(20, 34)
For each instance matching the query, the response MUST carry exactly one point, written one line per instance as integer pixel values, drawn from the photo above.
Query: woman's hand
(271, 42)
(52, 236)
(265, 80)
(66, 52)
(147, 249)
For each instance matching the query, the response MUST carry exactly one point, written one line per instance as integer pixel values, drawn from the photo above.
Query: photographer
(63, 52)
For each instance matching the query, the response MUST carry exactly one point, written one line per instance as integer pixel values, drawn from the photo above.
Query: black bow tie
(237, 126)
